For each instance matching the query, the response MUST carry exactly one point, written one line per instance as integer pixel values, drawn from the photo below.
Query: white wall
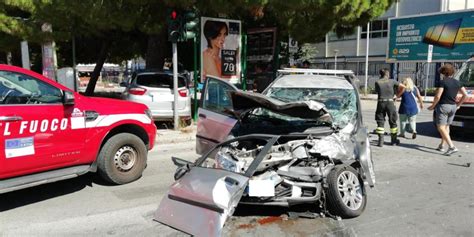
(346, 48)
(317, 50)
(470, 4)
(454, 5)
(390, 12)
(413, 7)
(377, 46)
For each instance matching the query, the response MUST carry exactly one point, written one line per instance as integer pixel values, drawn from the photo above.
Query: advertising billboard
(220, 49)
(451, 34)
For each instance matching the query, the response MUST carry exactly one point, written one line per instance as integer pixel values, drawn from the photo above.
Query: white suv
(155, 90)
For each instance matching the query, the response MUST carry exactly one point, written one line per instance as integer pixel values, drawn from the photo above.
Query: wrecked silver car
(302, 142)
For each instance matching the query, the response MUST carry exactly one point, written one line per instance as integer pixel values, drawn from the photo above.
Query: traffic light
(191, 25)
(174, 26)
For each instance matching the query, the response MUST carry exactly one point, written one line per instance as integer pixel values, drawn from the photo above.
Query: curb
(164, 136)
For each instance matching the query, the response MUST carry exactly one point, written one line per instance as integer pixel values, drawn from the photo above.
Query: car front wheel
(345, 193)
(122, 159)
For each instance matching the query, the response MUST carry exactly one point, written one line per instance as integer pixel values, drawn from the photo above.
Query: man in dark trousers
(385, 88)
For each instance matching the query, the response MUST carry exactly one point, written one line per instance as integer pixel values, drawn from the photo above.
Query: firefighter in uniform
(385, 89)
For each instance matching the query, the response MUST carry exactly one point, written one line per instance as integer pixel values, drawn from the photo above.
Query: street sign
(430, 53)
(292, 45)
(451, 35)
(229, 62)
(220, 53)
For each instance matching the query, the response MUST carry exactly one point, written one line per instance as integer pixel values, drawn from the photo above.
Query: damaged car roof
(244, 101)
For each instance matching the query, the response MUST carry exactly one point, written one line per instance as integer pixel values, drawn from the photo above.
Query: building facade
(349, 52)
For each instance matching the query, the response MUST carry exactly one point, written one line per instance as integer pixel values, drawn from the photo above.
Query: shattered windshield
(466, 74)
(341, 103)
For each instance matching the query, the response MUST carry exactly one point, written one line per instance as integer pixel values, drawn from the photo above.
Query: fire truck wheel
(122, 159)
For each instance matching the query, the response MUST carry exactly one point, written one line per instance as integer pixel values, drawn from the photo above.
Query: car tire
(345, 194)
(188, 122)
(122, 159)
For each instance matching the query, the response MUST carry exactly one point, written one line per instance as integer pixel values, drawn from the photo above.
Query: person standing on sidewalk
(385, 89)
(408, 107)
(445, 105)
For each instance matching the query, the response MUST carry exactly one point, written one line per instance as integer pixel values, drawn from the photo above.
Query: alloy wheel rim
(350, 190)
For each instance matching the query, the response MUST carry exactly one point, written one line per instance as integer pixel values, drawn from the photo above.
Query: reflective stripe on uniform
(393, 130)
(380, 130)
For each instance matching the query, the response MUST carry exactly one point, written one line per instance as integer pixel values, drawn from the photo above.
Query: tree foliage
(123, 26)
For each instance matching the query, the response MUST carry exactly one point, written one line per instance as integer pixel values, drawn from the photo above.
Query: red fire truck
(464, 117)
(50, 133)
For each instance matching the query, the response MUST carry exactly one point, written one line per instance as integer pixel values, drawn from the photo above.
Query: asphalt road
(419, 192)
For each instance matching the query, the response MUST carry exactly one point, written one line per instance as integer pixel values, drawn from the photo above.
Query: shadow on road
(403, 144)
(457, 134)
(420, 148)
(40, 193)
(250, 210)
(253, 210)
(428, 129)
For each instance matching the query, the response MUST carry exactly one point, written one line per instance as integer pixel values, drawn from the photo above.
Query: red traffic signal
(174, 15)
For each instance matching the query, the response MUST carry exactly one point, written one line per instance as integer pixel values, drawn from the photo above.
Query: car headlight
(224, 161)
(148, 113)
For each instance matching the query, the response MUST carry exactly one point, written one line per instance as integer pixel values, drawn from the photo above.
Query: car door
(200, 201)
(35, 126)
(214, 124)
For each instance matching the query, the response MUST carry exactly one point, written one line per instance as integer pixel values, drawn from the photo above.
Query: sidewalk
(427, 99)
(170, 136)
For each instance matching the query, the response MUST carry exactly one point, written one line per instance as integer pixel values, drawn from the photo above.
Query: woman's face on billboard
(218, 42)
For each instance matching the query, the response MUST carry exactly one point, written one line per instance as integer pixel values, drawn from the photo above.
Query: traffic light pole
(195, 79)
(175, 85)
(243, 63)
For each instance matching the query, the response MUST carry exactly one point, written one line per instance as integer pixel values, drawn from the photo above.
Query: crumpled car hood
(245, 101)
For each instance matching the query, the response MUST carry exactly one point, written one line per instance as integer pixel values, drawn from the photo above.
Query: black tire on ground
(347, 204)
(122, 159)
(188, 122)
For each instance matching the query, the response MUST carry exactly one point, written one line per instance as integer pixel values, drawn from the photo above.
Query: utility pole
(182, 25)
(175, 85)
(9, 58)
(25, 55)
(49, 55)
(195, 76)
(367, 58)
(428, 61)
(74, 72)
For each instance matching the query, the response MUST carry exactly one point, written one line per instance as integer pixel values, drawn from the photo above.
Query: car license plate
(261, 188)
(457, 124)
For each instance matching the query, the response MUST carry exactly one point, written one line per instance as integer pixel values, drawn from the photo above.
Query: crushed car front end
(293, 145)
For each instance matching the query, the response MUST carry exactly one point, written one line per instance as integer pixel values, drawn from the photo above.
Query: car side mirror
(183, 167)
(68, 98)
(181, 171)
(180, 162)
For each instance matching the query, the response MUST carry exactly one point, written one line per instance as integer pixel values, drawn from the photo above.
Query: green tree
(115, 29)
